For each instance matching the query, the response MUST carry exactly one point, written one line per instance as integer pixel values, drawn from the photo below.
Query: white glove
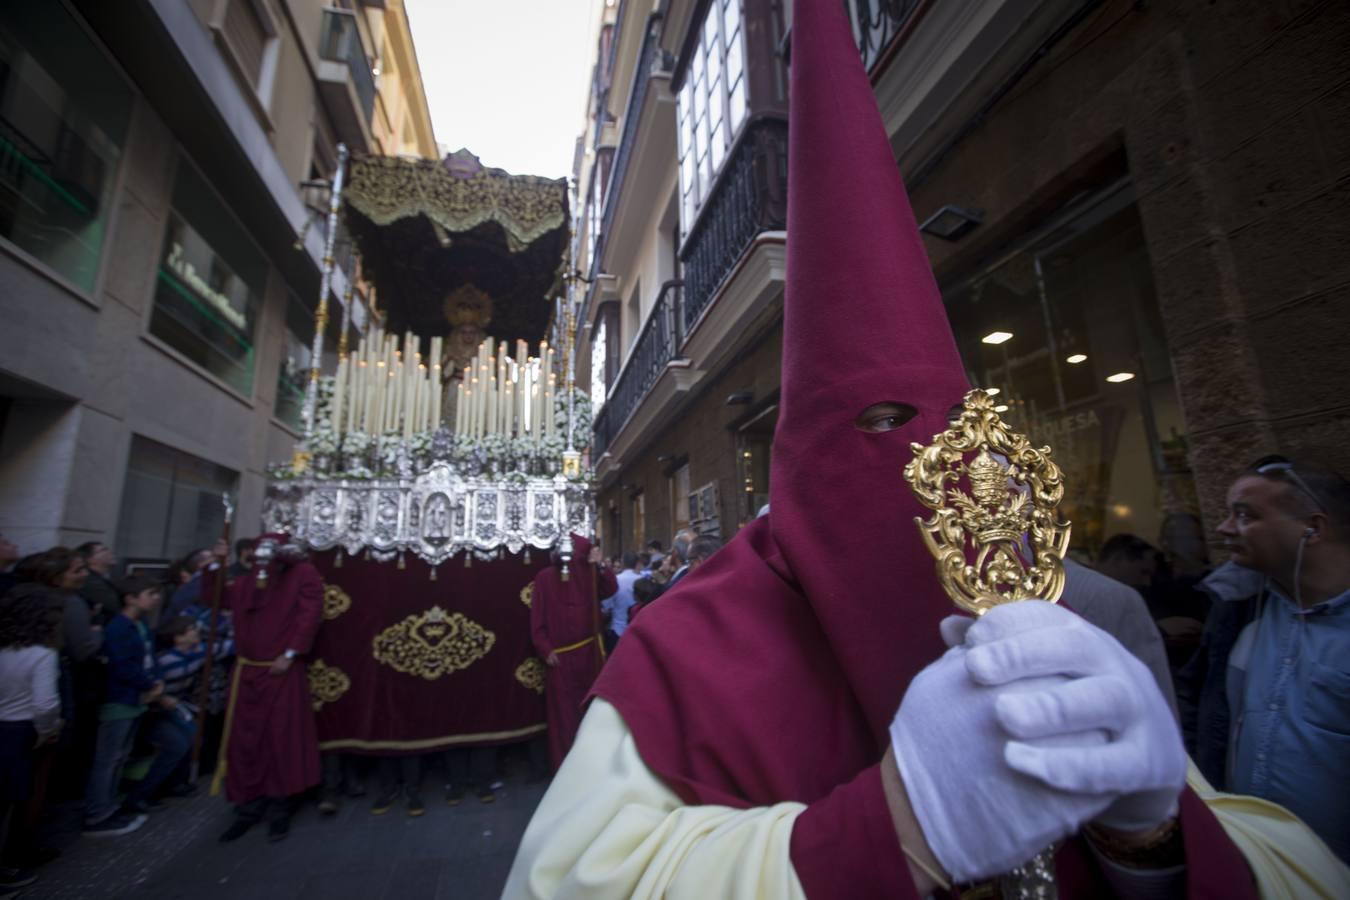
(980, 817)
(1141, 768)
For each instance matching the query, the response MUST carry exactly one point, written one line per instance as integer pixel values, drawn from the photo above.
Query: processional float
(441, 458)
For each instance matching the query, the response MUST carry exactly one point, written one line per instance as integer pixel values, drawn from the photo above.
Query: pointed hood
(773, 670)
(864, 324)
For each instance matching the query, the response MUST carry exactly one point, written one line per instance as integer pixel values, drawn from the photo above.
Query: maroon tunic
(773, 671)
(562, 615)
(273, 747)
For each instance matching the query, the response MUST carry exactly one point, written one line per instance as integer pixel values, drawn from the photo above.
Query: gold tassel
(337, 560)
(401, 563)
(367, 554)
(527, 556)
(468, 559)
(433, 573)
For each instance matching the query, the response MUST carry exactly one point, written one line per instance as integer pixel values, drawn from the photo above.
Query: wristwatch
(289, 654)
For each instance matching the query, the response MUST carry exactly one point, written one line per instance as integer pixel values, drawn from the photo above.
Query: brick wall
(1233, 120)
(702, 431)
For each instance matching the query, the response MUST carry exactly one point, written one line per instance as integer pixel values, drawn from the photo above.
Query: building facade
(157, 277)
(1134, 212)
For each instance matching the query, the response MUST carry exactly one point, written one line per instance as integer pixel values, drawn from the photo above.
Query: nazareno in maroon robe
(562, 614)
(273, 745)
(772, 672)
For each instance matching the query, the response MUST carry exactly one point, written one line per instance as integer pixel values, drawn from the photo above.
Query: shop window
(296, 361)
(210, 284)
(64, 111)
(1066, 328)
(711, 104)
(754, 443)
(639, 521)
(599, 389)
(679, 498)
(171, 502)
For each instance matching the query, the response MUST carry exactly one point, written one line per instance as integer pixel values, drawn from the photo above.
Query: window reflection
(1066, 326)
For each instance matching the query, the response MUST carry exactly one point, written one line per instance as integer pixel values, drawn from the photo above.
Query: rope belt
(577, 646)
(222, 758)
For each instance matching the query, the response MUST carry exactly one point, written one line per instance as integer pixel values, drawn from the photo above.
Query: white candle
(339, 382)
(437, 394)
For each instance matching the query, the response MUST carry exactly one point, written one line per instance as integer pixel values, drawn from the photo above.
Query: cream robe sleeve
(610, 828)
(1287, 859)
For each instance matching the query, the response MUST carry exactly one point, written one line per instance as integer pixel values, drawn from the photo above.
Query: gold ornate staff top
(995, 532)
(997, 538)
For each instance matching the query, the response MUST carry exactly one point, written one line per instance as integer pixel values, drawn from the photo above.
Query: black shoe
(13, 879)
(280, 827)
(39, 857)
(485, 795)
(115, 825)
(328, 805)
(415, 806)
(454, 794)
(142, 807)
(238, 828)
(382, 804)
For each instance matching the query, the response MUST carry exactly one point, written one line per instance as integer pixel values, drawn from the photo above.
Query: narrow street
(459, 853)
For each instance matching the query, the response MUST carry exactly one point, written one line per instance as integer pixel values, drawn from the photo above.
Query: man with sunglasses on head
(1267, 695)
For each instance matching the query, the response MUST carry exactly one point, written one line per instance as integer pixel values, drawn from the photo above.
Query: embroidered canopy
(427, 229)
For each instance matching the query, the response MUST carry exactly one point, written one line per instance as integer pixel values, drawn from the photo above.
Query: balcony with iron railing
(651, 58)
(877, 24)
(346, 81)
(657, 345)
(750, 197)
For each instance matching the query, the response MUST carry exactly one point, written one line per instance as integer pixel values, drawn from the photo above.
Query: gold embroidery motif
(433, 644)
(530, 674)
(977, 537)
(527, 594)
(336, 601)
(526, 207)
(326, 683)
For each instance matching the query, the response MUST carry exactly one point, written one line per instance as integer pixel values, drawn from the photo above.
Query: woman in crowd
(30, 715)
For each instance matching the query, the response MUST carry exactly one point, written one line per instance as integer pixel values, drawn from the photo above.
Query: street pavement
(450, 853)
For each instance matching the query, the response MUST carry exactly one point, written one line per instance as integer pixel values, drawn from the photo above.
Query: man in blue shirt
(617, 607)
(1272, 676)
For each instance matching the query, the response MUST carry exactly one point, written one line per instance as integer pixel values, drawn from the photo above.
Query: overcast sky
(507, 78)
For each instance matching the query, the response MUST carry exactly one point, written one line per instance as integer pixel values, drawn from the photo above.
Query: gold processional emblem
(997, 537)
(995, 532)
(336, 601)
(433, 644)
(530, 674)
(326, 683)
(527, 594)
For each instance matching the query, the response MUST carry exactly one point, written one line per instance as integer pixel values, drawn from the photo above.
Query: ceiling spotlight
(1119, 377)
(1002, 407)
(951, 223)
(996, 337)
(1076, 359)
(993, 392)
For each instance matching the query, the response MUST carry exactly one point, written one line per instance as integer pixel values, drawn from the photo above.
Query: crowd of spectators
(103, 710)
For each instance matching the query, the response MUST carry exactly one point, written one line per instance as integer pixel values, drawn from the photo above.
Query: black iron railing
(876, 23)
(657, 345)
(340, 42)
(648, 57)
(750, 197)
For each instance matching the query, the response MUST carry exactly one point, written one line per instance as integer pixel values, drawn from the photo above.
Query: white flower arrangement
(581, 422)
